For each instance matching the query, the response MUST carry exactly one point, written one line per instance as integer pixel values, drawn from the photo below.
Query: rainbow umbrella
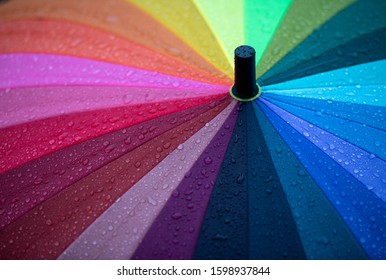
(123, 135)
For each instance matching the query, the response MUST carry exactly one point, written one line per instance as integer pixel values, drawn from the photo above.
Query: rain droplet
(109, 148)
(177, 216)
(38, 181)
(268, 179)
(128, 140)
(49, 222)
(240, 178)
(268, 191)
(152, 201)
(114, 119)
(208, 160)
(180, 147)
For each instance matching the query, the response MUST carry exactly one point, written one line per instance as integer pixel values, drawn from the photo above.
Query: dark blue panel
(363, 212)
(367, 138)
(224, 233)
(272, 230)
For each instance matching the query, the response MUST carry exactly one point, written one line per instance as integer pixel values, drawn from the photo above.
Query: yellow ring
(249, 99)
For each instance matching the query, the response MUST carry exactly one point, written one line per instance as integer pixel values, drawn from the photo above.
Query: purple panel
(175, 232)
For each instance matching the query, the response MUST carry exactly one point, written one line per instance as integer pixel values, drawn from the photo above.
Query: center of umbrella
(245, 87)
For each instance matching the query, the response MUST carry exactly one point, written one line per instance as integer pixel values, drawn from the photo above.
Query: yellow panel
(226, 19)
(301, 19)
(184, 19)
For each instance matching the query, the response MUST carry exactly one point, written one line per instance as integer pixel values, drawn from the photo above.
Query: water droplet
(268, 179)
(152, 201)
(109, 148)
(177, 216)
(48, 222)
(114, 119)
(128, 140)
(208, 160)
(302, 173)
(240, 178)
(180, 147)
(38, 181)
(220, 237)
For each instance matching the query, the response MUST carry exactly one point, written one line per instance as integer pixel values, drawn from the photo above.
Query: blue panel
(372, 116)
(323, 233)
(368, 138)
(363, 212)
(373, 95)
(372, 73)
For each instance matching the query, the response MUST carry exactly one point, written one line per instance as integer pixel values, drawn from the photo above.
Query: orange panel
(114, 16)
(65, 38)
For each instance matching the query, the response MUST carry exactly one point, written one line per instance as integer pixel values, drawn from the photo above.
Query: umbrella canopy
(123, 135)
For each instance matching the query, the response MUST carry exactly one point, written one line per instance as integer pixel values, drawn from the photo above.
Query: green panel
(225, 18)
(262, 18)
(301, 19)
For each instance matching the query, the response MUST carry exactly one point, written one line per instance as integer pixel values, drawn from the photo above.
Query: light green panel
(184, 19)
(225, 18)
(262, 18)
(300, 20)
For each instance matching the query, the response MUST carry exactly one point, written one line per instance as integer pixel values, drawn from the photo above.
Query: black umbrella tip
(245, 87)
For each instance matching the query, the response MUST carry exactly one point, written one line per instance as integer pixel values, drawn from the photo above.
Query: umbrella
(123, 135)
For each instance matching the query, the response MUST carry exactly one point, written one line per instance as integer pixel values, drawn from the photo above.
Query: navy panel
(224, 233)
(272, 230)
